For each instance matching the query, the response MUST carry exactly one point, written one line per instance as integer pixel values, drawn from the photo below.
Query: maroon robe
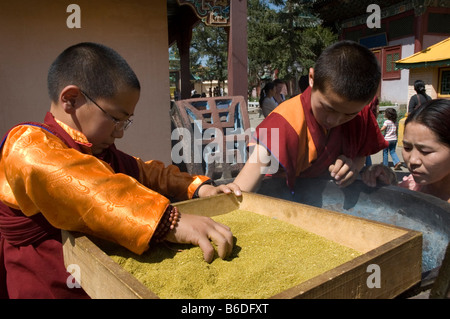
(294, 123)
(31, 256)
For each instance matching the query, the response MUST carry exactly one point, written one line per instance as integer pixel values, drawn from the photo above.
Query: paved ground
(377, 158)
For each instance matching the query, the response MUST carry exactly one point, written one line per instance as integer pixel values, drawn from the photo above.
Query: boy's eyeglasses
(119, 125)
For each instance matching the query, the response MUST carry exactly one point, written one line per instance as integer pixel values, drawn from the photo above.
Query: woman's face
(426, 157)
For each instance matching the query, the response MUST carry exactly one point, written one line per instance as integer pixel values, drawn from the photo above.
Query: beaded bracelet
(168, 222)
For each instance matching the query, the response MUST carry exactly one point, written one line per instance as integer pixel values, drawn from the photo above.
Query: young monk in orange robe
(67, 174)
(328, 128)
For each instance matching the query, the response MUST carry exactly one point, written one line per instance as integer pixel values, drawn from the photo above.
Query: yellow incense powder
(269, 257)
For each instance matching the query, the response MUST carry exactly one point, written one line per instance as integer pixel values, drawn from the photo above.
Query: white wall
(396, 91)
(33, 33)
(400, 91)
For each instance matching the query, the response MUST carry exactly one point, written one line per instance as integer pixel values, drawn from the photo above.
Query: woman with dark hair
(426, 152)
(266, 100)
(420, 97)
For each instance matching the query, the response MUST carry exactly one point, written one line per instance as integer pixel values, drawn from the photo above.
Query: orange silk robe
(76, 191)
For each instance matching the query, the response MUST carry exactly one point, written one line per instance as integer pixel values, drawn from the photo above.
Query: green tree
(284, 40)
(315, 40)
(209, 49)
(294, 17)
(263, 33)
(279, 38)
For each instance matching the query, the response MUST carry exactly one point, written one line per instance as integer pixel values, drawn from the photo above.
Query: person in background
(278, 96)
(426, 152)
(390, 128)
(420, 97)
(303, 83)
(266, 100)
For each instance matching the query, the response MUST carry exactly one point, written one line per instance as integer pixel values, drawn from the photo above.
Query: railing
(253, 107)
(384, 107)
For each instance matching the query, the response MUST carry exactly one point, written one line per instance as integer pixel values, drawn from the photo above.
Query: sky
(272, 6)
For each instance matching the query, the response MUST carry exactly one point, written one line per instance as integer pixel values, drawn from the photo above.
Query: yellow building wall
(33, 33)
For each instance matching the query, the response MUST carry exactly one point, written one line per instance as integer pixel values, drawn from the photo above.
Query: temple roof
(435, 55)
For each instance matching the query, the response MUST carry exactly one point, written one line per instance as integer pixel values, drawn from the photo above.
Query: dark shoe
(398, 166)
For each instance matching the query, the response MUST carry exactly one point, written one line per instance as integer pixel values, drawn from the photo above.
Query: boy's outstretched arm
(251, 175)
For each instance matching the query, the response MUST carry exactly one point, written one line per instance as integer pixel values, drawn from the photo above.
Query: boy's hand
(210, 190)
(378, 173)
(345, 170)
(199, 231)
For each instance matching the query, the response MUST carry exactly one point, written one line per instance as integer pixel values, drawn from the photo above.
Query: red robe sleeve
(363, 135)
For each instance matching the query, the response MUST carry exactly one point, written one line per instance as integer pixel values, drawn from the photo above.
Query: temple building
(404, 28)
(32, 34)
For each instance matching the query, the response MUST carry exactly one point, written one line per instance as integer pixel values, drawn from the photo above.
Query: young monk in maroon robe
(327, 128)
(67, 174)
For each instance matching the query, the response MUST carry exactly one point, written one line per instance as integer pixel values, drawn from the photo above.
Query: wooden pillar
(183, 43)
(182, 34)
(418, 32)
(237, 49)
(420, 13)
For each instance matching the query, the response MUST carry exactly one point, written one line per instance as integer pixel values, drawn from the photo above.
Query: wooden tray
(396, 252)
